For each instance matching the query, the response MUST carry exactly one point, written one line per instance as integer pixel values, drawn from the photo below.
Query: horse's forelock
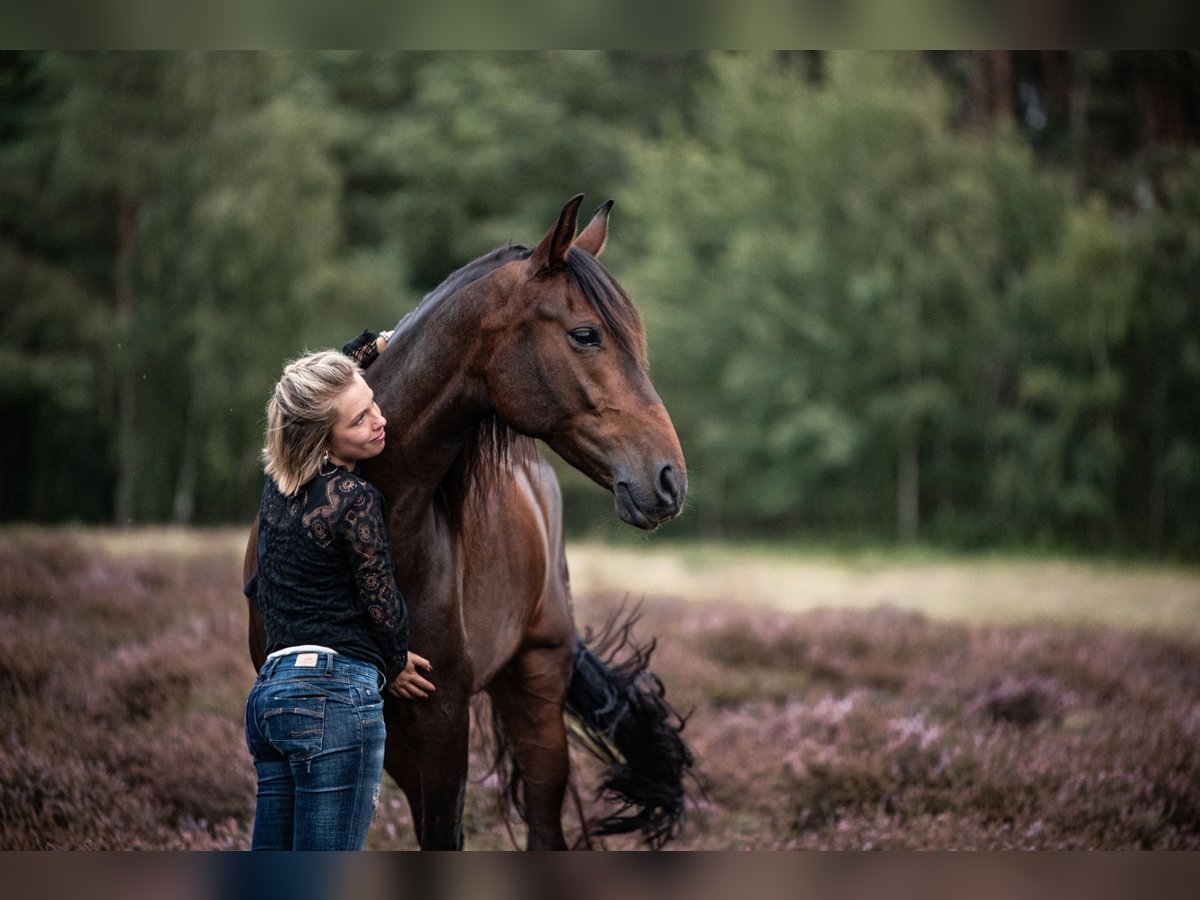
(586, 273)
(609, 299)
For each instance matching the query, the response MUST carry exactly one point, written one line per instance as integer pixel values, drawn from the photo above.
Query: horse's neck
(432, 404)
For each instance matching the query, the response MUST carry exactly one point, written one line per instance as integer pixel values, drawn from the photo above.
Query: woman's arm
(371, 559)
(365, 348)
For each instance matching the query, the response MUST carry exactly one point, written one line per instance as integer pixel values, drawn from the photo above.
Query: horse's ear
(550, 253)
(595, 236)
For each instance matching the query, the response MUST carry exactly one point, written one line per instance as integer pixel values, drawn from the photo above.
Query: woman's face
(358, 432)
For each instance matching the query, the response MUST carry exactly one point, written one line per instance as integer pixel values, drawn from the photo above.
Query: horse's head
(565, 362)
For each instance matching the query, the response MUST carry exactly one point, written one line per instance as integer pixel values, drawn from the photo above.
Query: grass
(888, 702)
(982, 589)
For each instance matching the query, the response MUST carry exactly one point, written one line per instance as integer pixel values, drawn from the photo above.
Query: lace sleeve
(362, 349)
(365, 531)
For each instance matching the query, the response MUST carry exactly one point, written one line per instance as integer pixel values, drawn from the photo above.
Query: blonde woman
(336, 624)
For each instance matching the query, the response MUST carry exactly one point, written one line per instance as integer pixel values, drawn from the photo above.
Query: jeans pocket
(295, 724)
(370, 705)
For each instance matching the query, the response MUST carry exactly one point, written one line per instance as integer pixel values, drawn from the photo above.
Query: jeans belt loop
(328, 665)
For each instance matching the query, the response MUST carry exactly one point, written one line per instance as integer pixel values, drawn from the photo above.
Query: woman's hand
(381, 341)
(408, 685)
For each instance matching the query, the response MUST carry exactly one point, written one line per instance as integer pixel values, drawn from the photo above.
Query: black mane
(460, 278)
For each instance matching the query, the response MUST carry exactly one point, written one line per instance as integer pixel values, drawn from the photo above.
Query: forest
(942, 297)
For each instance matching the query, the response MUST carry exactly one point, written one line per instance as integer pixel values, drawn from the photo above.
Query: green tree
(825, 280)
(947, 297)
(191, 198)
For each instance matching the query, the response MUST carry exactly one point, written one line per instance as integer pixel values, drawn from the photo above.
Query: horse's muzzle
(650, 506)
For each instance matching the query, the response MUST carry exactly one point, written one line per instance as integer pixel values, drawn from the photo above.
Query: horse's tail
(617, 709)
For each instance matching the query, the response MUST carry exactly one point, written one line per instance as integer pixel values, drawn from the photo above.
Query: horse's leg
(427, 756)
(256, 636)
(400, 759)
(528, 694)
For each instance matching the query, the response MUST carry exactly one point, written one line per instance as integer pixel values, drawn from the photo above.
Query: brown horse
(516, 345)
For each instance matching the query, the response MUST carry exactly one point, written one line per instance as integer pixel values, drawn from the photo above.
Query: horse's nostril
(668, 484)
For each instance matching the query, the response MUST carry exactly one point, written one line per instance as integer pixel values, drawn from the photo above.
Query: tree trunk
(712, 522)
(123, 505)
(992, 93)
(1002, 93)
(1058, 86)
(1156, 532)
(908, 485)
(1078, 119)
(184, 506)
(908, 463)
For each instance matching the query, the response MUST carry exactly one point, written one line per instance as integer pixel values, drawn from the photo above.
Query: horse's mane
(493, 449)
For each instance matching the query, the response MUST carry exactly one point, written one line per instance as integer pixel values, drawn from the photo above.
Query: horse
(521, 344)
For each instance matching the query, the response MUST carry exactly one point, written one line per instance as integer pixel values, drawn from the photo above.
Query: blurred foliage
(879, 303)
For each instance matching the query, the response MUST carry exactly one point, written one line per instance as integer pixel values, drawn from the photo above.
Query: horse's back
(515, 590)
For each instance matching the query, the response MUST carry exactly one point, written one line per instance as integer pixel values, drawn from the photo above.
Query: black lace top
(325, 571)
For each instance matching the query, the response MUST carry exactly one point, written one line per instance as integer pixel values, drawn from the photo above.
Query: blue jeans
(314, 725)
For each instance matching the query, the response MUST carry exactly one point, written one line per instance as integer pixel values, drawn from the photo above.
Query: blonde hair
(300, 417)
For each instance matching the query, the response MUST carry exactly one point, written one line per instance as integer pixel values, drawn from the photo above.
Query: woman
(336, 624)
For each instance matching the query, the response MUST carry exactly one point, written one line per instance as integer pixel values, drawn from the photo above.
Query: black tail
(617, 709)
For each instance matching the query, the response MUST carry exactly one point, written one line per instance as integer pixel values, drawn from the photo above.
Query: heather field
(836, 700)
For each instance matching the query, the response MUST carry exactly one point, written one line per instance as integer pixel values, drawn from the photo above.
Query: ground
(848, 700)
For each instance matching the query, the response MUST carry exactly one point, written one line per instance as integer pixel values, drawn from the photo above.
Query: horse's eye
(586, 337)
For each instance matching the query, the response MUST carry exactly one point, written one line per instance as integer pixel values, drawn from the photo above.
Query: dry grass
(902, 705)
(997, 590)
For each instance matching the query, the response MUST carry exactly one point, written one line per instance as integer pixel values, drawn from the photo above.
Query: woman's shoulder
(345, 488)
(336, 501)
